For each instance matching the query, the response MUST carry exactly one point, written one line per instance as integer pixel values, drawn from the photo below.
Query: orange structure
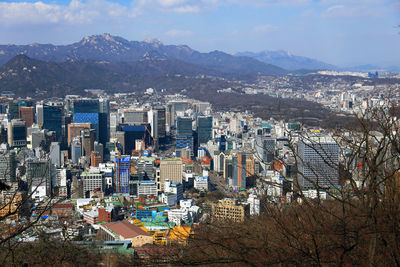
(27, 114)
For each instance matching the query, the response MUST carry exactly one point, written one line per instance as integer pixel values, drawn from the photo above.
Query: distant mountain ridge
(117, 49)
(26, 76)
(286, 60)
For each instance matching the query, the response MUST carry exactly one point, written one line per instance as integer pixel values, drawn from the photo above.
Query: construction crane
(154, 139)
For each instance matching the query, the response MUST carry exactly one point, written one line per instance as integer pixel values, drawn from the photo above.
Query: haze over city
(343, 33)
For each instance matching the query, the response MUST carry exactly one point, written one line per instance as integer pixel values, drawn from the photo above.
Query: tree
(358, 223)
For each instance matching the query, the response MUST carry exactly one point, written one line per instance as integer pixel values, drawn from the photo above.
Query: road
(216, 184)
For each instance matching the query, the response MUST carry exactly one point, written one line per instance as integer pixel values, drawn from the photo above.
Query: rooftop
(125, 229)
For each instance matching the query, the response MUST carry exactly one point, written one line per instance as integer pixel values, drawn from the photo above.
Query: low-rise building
(124, 230)
(201, 183)
(228, 209)
(147, 188)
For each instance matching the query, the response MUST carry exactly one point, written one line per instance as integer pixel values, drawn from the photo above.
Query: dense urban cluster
(344, 92)
(129, 172)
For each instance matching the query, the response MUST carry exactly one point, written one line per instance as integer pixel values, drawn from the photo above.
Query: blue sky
(341, 32)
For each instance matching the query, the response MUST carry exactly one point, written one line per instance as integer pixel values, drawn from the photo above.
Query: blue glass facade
(92, 118)
(122, 174)
(184, 142)
(89, 111)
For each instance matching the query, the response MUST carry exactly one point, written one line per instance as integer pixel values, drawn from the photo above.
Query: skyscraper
(27, 114)
(88, 111)
(161, 132)
(122, 174)
(55, 154)
(104, 121)
(318, 162)
(239, 171)
(184, 135)
(38, 174)
(76, 150)
(88, 136)
(52, 119)
(184, 127)
(170, 169)
(16, 133)
(204, 129)
(8, 167)
(265, 148)
(13, 110)
(74, 130)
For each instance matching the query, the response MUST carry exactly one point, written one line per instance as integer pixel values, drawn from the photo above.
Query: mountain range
(25, 76)
(116, 64)
(116, 49)
(111, 48)
(286, 60)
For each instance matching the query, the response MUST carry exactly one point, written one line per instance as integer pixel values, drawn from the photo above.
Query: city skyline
(343, 33)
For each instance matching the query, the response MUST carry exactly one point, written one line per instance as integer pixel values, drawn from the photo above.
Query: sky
(340, 32)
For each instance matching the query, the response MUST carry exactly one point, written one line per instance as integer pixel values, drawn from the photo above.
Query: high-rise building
(99, 149)
(121, 137)
(55, 154)
(122, 174)
(38, 175)
(173, 108)
(61, 182)
(39, 114)
(219, 161)
(239, 171)
(184, 135)
(52, 119)
(13, 110)
(76, 150)
(3, 108)
(27, 114)
(228, 168)
(113, 124)
(184, 127)
(137, 116)
(88, 111)
(170, 169)
(93, 181)
(153, 122)
(265, 148)
(95, 159)
(104, 121)
(16, 133)
(145, 169)
(88, 136)
(318, 162)
(136, 132)
(74, 130)
(160, 122)
(8, 166)
(204, 129)
(250, 165)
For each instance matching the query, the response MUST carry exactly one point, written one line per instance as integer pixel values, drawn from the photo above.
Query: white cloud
(260, 29)
(77, 12)
(183, 6)
(342, 11)
(171, 3)
(178, 33)
(90, 11)
(187, 9)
